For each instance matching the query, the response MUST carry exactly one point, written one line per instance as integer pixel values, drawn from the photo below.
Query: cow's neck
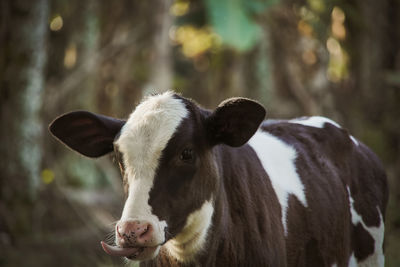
(230, 225)
(236, 221)
(187, 244)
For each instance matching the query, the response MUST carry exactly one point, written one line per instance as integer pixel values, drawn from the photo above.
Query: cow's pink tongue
(117, 251)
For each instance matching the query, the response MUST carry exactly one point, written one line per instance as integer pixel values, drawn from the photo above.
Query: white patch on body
(377, 233)
(355, 141)
(278, 160)
(314, 121)
(193, 236)
(352, 261)
(318, 122)
(142, 140)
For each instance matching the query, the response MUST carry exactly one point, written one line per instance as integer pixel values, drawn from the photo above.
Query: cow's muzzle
(136, 240)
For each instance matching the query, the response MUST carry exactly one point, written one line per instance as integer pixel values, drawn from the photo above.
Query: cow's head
(166, 152)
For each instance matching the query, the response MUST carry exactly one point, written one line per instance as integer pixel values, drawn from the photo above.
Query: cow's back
(332, 190)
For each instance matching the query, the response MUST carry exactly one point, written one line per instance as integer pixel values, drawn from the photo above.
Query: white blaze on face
(142, 140)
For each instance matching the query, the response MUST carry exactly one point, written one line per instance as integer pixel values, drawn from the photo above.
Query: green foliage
(233, 21)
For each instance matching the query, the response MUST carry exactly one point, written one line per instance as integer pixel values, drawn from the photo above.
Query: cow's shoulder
(305, 159)
(317, 129)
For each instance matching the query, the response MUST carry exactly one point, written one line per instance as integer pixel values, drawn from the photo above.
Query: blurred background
(336, 58)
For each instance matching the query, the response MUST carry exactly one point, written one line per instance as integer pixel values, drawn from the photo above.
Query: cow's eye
(187, 155)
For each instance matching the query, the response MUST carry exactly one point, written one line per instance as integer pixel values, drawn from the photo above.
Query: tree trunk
(161, 72)
(22, 62)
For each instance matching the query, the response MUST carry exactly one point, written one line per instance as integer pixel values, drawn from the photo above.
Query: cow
(226, 188)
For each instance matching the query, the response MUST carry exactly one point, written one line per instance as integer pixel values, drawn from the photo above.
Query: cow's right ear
(89, 134)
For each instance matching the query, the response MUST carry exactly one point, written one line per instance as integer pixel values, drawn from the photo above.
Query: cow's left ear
(234, 121)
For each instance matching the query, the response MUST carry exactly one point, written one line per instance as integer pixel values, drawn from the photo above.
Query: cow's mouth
(132, 253)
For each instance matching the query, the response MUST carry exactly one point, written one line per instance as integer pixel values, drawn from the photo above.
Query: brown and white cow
(224, 188)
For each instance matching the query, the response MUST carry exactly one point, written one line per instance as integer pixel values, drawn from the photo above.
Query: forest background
(336, 58)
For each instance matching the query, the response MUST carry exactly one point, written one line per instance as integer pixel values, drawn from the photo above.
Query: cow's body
(298, 193)
(312, 169)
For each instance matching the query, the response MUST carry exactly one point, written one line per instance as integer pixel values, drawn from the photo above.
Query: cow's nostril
(118, 231)
(145, 231)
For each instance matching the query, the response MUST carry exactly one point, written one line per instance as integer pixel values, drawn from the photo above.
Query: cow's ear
(90, 134)
(234, 121)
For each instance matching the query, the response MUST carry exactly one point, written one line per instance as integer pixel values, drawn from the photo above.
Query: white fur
(352, 261)
(314, 121)
(278, 160)
(143, 138)
(318, 122)
(193, 236)
(355, 141)
(377, 233)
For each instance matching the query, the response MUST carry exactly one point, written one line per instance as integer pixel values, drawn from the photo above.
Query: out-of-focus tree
(22, 67)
